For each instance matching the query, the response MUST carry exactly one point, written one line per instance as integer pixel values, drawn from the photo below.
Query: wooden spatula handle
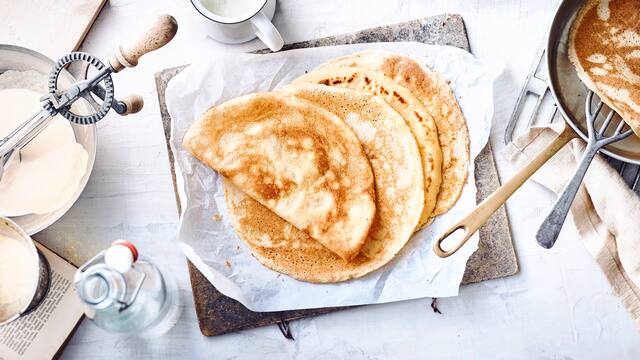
(472, 222)
(162, 30)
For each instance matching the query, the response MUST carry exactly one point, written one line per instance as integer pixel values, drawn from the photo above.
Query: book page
(40, 334)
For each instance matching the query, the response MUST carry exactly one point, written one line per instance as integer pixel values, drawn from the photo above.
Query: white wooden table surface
(558, 306)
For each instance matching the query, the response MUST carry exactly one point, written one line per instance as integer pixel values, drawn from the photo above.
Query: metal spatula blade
(550, 228)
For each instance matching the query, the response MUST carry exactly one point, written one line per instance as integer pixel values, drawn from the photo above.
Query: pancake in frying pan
(604, 46)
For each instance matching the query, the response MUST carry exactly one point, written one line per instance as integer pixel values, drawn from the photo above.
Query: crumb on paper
(434, 306)
(227, 263)
(216, 217)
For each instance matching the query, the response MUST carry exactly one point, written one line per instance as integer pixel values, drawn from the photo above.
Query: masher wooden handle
(162, 30)
(472, 222)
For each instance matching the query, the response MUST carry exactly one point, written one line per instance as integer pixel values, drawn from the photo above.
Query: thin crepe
(396, 163)
(407, 105)
(295, 158)
(604, 46)
(436, 96)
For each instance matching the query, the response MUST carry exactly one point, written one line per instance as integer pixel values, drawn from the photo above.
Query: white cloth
(606, 212)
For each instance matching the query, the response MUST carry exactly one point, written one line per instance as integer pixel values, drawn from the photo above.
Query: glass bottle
(126, 293)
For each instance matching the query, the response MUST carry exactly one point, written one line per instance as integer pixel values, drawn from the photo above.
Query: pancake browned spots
(395, 160)
(435, 94)
(400, 99)
(295, 158)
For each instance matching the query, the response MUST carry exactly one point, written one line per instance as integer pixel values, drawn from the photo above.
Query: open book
(40, 334)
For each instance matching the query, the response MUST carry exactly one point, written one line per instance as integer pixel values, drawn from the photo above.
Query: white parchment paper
(208, 239)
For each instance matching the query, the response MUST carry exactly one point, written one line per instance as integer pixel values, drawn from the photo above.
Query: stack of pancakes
(327, 179)
(604, 45)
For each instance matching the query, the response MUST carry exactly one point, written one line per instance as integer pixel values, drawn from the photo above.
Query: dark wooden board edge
(495, 257)
(162, 80)
(446, 29)
(236, 316)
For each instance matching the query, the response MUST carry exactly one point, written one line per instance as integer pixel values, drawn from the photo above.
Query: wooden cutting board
(495, 258)
(51, 27)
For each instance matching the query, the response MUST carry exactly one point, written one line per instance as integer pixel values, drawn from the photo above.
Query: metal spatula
(550, 228)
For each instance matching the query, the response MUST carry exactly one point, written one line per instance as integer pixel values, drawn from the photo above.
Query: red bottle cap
(128, 245)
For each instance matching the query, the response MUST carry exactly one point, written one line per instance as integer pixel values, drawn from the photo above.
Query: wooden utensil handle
(162, 30)
(472, 222)
(134, 104)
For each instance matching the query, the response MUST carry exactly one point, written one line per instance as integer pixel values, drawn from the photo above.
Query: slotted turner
(550, 228)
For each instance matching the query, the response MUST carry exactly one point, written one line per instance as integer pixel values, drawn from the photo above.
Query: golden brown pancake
(281, 247)
(406, 104)
(397, 168)
(604, 45)
(295, 158)
(436, 96)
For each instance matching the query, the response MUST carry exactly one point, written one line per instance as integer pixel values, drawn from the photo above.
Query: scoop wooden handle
(162, 30)
(472, 222)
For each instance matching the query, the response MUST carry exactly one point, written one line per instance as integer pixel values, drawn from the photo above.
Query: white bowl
(22, 59)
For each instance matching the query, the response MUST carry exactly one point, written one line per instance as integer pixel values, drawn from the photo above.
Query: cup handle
(267, 32)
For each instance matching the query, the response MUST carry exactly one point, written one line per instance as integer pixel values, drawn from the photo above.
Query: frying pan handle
(437, 246)
(474, 220)
(161, 31)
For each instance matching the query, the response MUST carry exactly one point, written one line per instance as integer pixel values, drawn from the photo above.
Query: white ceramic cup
(242, 28)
